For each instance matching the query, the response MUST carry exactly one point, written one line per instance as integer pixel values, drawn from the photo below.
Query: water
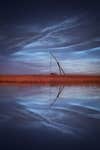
(34, 117)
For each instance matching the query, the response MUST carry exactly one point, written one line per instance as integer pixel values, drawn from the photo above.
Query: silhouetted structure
(61, 71)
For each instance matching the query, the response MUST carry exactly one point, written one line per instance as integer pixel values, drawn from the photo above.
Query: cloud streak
(74, 41)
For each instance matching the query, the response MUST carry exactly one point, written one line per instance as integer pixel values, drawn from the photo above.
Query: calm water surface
(35, 117)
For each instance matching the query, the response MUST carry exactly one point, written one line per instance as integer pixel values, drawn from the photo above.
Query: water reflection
(70, 110)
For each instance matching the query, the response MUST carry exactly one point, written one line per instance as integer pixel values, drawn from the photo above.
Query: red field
(50, 79)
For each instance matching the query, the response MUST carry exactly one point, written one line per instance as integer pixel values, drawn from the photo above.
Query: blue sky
(74, 40)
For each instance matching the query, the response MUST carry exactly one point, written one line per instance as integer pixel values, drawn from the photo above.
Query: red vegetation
(50, 79)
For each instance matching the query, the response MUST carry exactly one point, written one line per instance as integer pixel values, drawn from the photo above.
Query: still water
(45, 117)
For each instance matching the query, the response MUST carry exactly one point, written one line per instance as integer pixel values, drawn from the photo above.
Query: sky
(30, 30)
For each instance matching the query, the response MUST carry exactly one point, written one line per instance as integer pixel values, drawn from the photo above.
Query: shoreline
(39, 79)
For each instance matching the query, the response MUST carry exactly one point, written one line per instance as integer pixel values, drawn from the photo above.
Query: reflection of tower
(61, 71)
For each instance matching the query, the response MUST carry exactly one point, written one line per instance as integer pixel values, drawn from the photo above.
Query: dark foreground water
(37, 117)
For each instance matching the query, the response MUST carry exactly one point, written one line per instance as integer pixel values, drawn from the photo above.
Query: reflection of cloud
(72, 113)
(72, 39)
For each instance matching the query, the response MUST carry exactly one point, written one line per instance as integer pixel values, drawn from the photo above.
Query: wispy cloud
(74, 41)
